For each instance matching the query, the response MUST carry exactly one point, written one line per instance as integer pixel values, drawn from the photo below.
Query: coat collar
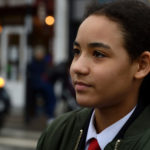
(135, 125)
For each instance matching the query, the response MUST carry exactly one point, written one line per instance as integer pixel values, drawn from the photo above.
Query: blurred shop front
(22, 27)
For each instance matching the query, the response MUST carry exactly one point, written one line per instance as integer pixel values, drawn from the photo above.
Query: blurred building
(22, 26)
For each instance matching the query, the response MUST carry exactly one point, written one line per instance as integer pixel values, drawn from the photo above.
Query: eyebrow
(94, 44)
(99, 44)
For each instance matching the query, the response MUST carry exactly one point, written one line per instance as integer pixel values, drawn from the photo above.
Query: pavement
(17, 135)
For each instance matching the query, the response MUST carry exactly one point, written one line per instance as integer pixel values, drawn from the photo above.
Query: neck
(105, 117)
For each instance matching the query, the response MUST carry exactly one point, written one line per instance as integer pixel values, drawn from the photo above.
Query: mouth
(81, 86)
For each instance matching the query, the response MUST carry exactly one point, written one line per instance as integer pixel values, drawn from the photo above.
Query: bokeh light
(50, 20)
(2, 82)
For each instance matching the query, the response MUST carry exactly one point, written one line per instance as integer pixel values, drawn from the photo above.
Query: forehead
(97, 28)
(98, 23)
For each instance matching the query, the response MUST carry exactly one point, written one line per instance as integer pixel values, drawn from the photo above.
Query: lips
(81, 86)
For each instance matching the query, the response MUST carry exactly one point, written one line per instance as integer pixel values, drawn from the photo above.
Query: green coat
(66, 132)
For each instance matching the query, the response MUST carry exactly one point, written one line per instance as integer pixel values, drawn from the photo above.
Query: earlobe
(143, 65)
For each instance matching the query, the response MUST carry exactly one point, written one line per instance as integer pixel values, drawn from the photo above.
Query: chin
(85, 103)
(92, 103)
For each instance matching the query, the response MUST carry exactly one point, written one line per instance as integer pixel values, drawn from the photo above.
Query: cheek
(112, 78)
(102, 74)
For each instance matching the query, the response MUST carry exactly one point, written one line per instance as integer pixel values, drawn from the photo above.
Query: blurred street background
(36, 39)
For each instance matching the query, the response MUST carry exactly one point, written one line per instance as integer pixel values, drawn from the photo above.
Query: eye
(76, 51)
(98, 54)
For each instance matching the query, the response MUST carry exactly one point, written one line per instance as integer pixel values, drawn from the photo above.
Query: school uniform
(108, 134)
(70, 132)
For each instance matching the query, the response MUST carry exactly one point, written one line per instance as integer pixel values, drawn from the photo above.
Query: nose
(80, 66)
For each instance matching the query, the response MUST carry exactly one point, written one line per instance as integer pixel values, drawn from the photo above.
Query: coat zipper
(117, 144)
(78, 140)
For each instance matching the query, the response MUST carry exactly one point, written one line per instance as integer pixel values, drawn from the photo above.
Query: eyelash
(98, 54)
(76, 51)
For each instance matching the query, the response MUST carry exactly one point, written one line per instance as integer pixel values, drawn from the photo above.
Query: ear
(143, 65)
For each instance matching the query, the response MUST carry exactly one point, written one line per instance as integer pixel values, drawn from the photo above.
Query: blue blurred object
(40, 95)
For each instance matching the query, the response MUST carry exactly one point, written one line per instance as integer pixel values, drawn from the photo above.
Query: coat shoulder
(64, 126)
(69, 117)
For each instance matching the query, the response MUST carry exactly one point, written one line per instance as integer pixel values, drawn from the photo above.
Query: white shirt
(108, 134)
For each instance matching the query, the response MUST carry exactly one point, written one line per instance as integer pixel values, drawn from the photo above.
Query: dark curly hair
(133, 16)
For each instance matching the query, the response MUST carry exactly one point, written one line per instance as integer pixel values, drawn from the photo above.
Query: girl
(111, 61)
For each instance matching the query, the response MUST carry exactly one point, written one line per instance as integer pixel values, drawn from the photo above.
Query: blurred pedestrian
(39, 84)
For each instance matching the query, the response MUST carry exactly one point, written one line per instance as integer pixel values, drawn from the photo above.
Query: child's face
(101, 71)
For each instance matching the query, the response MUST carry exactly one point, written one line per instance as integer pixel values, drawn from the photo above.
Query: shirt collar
(108, 134)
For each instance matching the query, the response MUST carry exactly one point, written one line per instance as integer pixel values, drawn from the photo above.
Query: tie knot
(94, 145)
